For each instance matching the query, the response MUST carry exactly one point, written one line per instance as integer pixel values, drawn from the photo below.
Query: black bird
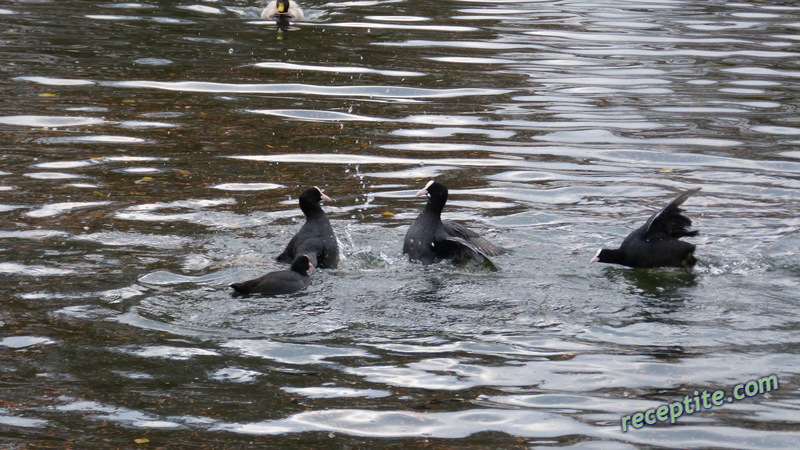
(280, 282)
(430, 240)
(315, 238)
(657, 243)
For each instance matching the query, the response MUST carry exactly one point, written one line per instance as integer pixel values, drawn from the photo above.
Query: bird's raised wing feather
(670, 222)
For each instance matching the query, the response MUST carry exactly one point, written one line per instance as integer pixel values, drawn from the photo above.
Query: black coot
(315, 238)
(657, 243)
(429, 239)
(280, 282)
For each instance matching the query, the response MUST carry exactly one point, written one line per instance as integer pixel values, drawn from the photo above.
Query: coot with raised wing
(657, 243)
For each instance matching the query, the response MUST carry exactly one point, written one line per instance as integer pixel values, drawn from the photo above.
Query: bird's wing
(458, 232)
(288, 254)
(311, 247)
(295, 11)
(465, 247)
(669, 222)
(270, 10)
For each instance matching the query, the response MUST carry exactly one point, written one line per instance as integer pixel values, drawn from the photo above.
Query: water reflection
(662, 286)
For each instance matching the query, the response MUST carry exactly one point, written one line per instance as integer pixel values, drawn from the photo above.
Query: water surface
(152, 154)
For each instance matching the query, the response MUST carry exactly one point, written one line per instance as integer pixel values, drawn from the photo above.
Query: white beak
(424, 191)
(324, 197)
(310, 266)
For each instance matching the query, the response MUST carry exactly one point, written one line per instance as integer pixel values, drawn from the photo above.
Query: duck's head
(282, 11)
(283, 7)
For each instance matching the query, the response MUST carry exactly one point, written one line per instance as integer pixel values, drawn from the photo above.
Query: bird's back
(273, 283)
(316, 239)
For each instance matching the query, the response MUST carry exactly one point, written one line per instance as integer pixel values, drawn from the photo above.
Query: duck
(286, 9)
(657, 243)
(279, 282)
(429, 239)
(315, 238)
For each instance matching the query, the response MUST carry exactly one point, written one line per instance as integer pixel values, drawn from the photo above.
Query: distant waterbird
(282, 9)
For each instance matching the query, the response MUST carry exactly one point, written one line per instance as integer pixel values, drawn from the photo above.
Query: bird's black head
(302, 265)
(309, 200)
(314, 195)
(436, 192)
(605, 255)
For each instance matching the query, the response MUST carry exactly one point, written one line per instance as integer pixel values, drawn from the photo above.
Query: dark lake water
(151, 153)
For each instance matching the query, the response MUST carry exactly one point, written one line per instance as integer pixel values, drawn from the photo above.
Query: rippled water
(152, 154)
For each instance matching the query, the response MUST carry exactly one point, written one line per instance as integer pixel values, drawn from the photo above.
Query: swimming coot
(315, 238)
(429, 239)
(280, 282)
(657, 243)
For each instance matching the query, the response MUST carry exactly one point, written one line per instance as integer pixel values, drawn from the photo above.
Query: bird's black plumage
(657, 243)
(429, 239)
(280, 282)
(316, 237)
